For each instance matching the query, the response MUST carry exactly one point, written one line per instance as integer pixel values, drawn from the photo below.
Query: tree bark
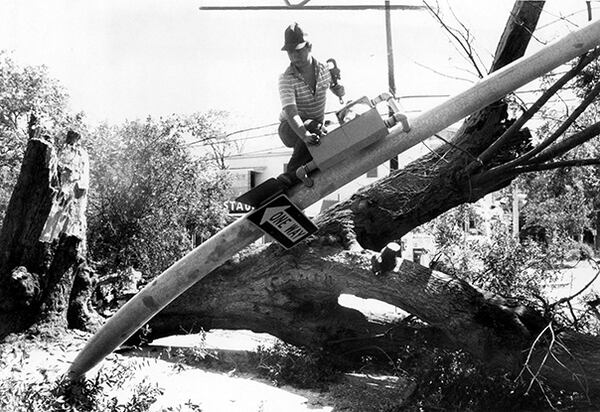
(294, 295)
(36, 278)
(81, 315)
(22, 257)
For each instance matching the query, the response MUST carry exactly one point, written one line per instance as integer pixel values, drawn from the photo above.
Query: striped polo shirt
(294, 90)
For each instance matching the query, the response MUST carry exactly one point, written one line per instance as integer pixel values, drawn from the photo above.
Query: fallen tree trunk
(295, 297)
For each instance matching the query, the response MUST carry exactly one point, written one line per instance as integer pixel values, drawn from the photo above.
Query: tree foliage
(557, 202)
(496, 262)
(207, 132)
(26, 91)
(565, 201)
(149, 197)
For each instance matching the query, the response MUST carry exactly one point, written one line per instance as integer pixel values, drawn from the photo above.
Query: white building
(250, 170)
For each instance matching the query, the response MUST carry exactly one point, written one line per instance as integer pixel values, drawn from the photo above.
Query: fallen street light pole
(238, 235)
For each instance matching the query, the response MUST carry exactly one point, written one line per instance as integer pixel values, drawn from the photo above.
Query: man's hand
(314, 132)
(311, 138)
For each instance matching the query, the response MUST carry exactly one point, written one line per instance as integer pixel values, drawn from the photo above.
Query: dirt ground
(216, 378)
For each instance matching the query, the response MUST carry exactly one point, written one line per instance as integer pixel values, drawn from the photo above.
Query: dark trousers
(300, 156)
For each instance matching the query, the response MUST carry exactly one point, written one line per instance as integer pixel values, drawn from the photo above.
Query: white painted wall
(272, 163)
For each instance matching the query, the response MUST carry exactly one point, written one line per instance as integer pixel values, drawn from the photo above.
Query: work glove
(315, 130)
(315, 127)
(312, 138)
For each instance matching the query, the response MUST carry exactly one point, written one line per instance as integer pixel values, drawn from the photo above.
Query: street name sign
(283, 221)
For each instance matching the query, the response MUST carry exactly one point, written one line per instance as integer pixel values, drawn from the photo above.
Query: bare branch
(567, 144)
(560, 18)
(549, 353)
(526, 365)
(443, 74)
(584, 385)
(516, 126)
(563, 127)
(553, 137)
(537, 167)
(466, 48)
(573, 296)
(465, 33)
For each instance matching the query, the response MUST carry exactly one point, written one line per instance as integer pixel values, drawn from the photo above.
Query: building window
(418, 255)
(372, 172)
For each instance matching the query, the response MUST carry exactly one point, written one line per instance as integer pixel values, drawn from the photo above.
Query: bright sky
(129, 59)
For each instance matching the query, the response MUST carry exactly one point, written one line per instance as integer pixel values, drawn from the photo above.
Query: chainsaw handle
(397, 115)
(334, 71)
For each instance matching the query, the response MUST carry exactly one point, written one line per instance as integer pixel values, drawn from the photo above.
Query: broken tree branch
(553, 137)
(568, 143)
(537, 167)
(543, 99)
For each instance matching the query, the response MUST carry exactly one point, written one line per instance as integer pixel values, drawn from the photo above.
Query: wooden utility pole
(233, 238)
(390, 59)
(390, 49)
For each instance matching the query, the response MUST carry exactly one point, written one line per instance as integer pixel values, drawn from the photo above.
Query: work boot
(302, 174)
(287, 180)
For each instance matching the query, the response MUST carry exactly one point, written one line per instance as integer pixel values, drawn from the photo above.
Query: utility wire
(203, 142)
(258, 151)
(457, 148)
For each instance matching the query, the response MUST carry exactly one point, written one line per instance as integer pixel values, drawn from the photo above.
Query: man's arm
(295, 122)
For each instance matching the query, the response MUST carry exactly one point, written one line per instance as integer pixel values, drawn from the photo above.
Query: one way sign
(282, 220)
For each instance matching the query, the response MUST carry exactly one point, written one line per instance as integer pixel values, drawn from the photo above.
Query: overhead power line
(203, 142)
(299, 7)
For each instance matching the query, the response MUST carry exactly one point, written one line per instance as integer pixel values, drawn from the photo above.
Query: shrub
(89, 395)
(287, 364)
(451, 380)
(149, 197)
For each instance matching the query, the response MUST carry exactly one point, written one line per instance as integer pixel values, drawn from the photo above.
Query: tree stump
(36, 277)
